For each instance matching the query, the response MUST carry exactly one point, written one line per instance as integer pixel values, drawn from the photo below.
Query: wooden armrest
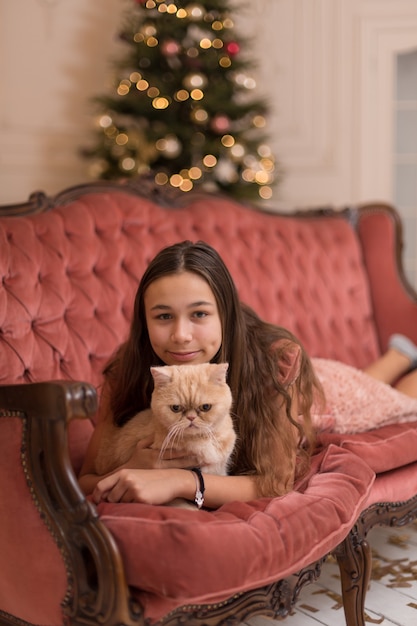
(97, 590)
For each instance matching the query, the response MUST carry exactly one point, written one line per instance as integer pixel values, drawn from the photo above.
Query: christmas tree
(183, 108)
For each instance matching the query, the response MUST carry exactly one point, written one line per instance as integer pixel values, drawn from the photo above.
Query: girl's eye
(164, 316)
(200, 314)
(205, 408)
(176, 408)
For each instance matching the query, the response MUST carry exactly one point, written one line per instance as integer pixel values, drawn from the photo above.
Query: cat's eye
(205, 407)
(176, 408)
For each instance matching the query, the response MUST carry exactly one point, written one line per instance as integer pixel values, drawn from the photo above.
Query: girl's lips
(183, 356)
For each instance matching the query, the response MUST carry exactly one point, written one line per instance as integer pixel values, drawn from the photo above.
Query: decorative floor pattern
(392, 596)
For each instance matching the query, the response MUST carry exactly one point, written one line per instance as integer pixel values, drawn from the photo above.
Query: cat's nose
(191, 417)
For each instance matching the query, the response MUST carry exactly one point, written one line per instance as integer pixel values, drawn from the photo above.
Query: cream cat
(190, 410)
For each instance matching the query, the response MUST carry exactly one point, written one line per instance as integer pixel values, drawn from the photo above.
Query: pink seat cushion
(395, 486)
(383, 449)
(177, 556)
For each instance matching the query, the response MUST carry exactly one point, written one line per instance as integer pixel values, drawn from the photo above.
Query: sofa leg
(354, 558)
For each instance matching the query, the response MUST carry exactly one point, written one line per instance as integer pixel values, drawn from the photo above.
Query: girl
(187, 311)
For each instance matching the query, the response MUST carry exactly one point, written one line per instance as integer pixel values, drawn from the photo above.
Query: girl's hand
(146, 486)
(146, 457)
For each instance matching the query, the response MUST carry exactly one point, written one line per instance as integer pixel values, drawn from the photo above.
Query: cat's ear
(288, 355)
(218, 372)
(161, 375)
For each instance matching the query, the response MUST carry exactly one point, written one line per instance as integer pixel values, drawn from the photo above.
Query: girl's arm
(162, 486)
(143, 457)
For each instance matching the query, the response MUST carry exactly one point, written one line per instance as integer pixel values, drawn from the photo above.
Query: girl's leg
(400, 357)
(389, 367)
(408, 384)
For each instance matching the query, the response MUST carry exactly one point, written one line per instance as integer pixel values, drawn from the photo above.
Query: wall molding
(332, 93)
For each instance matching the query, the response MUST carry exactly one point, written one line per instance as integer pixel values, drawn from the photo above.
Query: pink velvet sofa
(69, 268)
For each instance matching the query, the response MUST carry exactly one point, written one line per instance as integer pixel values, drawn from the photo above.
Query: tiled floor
(392, 596)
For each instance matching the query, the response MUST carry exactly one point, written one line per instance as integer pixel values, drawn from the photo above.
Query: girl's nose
(181, 332)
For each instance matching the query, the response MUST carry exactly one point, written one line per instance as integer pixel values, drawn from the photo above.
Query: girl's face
(183, 319)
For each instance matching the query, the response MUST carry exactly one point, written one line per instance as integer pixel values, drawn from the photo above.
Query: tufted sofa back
(69, 274)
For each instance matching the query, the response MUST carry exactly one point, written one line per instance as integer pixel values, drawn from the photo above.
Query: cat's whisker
(173, 436)
(208, 433)
(234, 416)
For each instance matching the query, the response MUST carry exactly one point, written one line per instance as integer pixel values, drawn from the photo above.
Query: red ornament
(233, 48)
(170, 48)
(220, 124)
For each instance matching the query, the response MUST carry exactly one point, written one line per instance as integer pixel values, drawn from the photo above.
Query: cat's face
(191, 399)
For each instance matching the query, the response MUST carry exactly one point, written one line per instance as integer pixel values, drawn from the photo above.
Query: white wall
(54, 55)
(325, 65)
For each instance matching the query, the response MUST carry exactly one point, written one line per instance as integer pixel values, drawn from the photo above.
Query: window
(405, 157)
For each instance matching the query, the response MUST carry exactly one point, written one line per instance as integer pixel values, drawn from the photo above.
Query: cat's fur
(190, 410)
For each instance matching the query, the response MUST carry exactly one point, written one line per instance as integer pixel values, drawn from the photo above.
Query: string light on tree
(184, 106)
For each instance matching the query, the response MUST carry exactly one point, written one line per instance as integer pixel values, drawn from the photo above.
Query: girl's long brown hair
(269, 439)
